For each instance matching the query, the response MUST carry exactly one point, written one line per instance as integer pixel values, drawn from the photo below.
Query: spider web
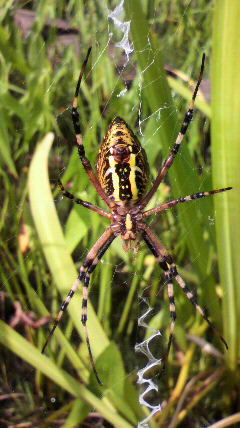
(119, 41)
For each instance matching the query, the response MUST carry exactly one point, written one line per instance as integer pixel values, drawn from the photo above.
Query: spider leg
(86, 270)
(171, 204)
(62, 310)
(162, 257)
(83, 203)
(194, 302)
(169, 161)
(79, 140)
(170, 270)
(173, 314)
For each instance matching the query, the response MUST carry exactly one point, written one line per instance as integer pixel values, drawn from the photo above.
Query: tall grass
(226, 158)
(38, 74)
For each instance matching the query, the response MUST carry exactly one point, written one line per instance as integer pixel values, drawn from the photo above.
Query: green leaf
(76, 229)
(226, 161)
(26, 351)
(78, 413)
(54, 245)
(183, 177)
(110, 366)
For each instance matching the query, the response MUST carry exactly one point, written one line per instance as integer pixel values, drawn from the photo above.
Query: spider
(121, 181)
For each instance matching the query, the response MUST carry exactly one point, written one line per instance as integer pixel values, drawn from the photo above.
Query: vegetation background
(42, 45)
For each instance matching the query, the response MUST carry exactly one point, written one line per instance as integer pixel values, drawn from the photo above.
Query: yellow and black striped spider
(121, 181)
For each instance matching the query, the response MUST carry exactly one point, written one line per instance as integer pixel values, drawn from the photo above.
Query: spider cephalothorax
(121, 181)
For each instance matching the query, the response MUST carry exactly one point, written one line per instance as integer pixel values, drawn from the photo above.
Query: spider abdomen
(122, 166)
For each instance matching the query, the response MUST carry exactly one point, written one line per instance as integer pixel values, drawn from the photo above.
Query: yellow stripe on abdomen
(132, 176)
(115, 179)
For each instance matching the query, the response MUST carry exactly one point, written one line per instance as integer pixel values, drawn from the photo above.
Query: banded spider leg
(165, 261)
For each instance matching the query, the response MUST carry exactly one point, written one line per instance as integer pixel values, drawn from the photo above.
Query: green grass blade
(78, 413)
(17, 344)
(181, 89)
(53, 243)
(183, 177)
(226, 161)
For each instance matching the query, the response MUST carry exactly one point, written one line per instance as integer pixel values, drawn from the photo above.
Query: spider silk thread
(147, 383)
